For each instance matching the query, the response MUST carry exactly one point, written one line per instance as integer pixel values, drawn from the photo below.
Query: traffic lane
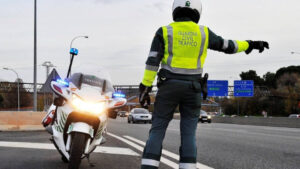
(229, 146)
(274, 131)
(27, 158)
(18, 158)
(27, 136)
(236, 150)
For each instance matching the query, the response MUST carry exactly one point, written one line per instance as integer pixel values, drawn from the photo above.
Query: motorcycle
(79, 114)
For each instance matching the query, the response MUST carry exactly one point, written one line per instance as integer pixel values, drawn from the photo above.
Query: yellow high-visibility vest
(186, 46)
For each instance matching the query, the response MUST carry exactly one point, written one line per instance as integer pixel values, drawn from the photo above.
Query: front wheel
(76, 150)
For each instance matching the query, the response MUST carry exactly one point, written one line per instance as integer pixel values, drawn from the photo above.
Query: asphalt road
(220, 146)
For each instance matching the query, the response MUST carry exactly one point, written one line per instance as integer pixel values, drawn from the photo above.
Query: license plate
(204, 119)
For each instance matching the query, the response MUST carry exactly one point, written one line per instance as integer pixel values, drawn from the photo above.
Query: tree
(288, 86)
(269, 80)
(287, 70)
(1, 101)
(251, 75)
(10, 97)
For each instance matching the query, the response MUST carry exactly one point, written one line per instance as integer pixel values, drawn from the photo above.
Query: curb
(21, 128)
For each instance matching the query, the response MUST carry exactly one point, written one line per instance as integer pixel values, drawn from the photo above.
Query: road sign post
(243, 88)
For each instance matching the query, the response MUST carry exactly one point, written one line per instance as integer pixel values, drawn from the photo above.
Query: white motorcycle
(79, 114)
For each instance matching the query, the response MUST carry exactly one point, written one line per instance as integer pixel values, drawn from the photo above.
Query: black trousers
(171, 94)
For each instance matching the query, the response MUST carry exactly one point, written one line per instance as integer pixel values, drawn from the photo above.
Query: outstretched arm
(234, 46)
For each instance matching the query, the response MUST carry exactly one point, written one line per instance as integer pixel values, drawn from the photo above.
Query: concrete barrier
(18, 121)
(256, 121)
(260, 121)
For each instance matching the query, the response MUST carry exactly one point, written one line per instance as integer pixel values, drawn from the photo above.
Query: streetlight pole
(18, 85)
(35, 62)
(77, 37)
(48, 65)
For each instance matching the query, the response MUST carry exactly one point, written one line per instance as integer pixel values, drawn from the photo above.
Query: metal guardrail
(6, 87)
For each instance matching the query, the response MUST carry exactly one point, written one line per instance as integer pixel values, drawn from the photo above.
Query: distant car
(123, 113)
(204, 117)
(294, 116)
(139, 115)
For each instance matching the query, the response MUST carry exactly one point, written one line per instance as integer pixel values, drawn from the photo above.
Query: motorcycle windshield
(80, 80)
(92, 83)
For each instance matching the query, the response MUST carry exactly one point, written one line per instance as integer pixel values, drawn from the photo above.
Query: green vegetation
(1, 100)
(277, 93)
(9, 98)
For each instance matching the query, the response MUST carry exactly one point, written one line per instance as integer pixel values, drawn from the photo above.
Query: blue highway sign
(217, 88)
(243, 88)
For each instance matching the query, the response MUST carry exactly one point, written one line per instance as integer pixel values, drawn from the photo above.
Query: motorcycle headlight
(80, 105)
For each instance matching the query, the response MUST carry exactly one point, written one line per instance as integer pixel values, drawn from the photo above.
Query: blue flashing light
(62, 82)
(119, 95)
(74, 51)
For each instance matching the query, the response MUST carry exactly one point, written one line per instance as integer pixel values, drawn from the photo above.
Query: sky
(121, 31)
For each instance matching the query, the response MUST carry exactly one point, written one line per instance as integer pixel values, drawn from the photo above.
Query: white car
(294, 116)
(204, 117)
(139, 115)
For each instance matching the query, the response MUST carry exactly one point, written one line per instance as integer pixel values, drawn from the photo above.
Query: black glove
(259, 45)
(144, 97)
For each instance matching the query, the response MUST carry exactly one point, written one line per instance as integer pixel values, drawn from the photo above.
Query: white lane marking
(46, 146)
(42, 146)
(167, 153)
(116, 150)
(163, 160)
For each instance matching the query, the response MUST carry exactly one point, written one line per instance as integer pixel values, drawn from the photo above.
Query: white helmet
(194, 5)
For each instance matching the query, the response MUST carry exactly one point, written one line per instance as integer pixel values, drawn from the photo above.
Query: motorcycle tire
(76, 150)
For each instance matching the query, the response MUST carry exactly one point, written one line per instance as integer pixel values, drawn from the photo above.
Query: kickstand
(89, 161)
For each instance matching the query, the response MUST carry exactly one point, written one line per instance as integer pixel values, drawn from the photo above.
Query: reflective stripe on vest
(185, 47)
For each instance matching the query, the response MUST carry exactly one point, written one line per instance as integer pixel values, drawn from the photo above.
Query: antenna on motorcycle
(73, 52)
(104, 87)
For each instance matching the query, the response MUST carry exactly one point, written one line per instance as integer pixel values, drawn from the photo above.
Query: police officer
(181, 49)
